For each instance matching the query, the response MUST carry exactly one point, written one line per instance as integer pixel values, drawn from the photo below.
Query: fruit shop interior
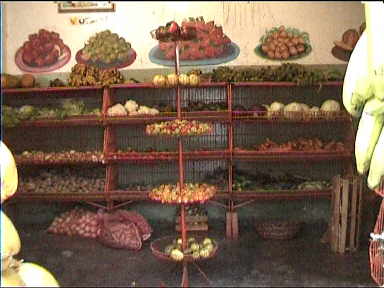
(212, 144)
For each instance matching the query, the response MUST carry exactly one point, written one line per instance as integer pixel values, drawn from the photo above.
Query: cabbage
(276, 107)
(330, 106)
(294, 107)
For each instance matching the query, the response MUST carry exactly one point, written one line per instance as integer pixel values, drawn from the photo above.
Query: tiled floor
(249, 261)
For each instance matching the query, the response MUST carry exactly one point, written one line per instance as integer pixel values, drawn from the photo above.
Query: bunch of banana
(363, 97)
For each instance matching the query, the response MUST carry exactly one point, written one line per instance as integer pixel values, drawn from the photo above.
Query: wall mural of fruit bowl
(42, 52)
(281, 44)
(210, 46)
(106, 50)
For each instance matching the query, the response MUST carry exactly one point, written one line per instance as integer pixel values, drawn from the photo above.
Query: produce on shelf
(195, 249)
(287, 72)
(192, 192)
(261, 181)
(117, 110)
(194, 210)
(131, 108)
(179, 128)
(56, 83)
(64, 180)
(300, 144)
(68, 108)
(87, 75)
(9, 175)
(283, 43)
(105, 47)
(210, 40)
(172, 80)
(54, 157)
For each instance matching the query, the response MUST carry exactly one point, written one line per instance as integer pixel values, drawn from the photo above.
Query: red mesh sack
(120, 233)
(141, 223)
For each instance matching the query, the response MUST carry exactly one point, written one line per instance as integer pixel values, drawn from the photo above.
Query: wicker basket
(278, 229)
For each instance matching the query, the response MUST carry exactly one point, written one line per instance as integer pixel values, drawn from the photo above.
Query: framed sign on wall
(85, 6)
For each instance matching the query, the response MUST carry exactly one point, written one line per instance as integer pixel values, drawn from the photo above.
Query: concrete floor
(249, 261)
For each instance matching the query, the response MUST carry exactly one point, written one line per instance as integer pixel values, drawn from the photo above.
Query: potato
(284, 48)
(272, 47)
(275, 35)
(278, 55)
(290, 35)
(290, 43)
(281, 28)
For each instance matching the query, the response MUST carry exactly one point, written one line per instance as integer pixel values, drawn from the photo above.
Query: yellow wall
(244, 22)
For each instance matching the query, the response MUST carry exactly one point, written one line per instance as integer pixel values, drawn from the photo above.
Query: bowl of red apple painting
(44, 51)
(106, 50)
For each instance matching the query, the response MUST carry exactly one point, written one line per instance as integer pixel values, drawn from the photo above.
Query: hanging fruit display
(179, 128)
(191, 193)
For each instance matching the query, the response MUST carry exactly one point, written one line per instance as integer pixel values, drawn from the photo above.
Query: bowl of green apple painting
(281, 44)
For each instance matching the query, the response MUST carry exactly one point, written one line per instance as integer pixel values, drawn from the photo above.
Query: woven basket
(278, 229)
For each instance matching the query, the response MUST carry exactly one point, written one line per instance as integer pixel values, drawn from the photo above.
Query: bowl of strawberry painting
(210, 46)
(44, 51)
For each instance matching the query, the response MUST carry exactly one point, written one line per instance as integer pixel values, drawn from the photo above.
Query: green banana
(376, 169)
(374, 107)
(357, 86)
(367, 136)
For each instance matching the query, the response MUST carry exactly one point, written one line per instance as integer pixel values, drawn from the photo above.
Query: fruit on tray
(42, 48)
(179, 128)
(192, 192)
(195, 249)
(105, 47)
(283, 43)
(87, 75)
(172, 79)
(210, 41)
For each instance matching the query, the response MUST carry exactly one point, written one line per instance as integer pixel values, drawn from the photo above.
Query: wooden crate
(193, 223)
(346, 213)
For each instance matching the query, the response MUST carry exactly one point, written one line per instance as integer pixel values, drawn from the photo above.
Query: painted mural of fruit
(42, 48)
(209, 42)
